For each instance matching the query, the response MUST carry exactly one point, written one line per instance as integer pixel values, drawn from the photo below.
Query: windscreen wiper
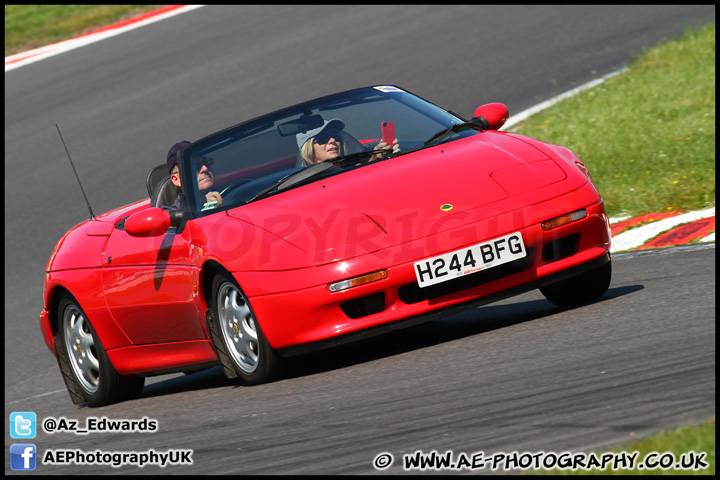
(357, 155)
(295, 177)
(458, 127)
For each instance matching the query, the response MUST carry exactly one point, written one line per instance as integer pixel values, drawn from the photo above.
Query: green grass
(32, 26)
(647, 135)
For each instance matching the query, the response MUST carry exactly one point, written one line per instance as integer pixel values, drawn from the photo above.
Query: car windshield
(262, 157)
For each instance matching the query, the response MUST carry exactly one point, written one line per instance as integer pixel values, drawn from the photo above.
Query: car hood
(416, 195)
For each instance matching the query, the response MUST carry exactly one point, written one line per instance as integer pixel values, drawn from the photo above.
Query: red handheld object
(388, 132)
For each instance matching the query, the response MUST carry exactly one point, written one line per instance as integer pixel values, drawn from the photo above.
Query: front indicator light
(356, 281)
(564, 219)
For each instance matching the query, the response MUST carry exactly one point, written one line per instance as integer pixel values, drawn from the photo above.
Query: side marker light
(564, 219)
(356, 281)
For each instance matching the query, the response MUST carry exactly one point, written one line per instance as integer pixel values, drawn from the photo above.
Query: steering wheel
(233, 186)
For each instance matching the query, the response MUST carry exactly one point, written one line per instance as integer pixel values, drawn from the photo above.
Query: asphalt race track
(518, 375)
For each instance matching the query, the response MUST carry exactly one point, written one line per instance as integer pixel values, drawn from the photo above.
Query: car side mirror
(148, 223)
(494, 115)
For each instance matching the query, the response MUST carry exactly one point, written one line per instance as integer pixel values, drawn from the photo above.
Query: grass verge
(32, 26)
(647, 135)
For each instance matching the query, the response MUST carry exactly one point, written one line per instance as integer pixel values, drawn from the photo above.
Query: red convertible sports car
(324, 222)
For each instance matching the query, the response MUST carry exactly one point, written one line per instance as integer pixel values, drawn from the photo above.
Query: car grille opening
(412, 293)
(561, 248)
(364, 306)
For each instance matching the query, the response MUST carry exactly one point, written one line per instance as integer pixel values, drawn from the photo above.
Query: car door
(151, 287)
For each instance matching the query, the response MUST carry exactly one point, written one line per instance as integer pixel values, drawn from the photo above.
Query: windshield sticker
(388, 89)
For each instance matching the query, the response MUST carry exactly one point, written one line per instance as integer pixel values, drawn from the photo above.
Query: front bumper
(306, 317)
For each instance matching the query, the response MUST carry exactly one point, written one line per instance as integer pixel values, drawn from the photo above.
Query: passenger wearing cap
(205, 176)
(326, 142)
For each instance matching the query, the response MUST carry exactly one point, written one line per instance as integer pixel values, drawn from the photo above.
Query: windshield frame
(324, 104)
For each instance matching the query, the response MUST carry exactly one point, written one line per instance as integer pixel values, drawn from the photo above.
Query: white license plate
(470, 260)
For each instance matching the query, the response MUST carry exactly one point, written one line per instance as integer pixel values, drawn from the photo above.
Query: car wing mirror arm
(178, 218)
(482, 121)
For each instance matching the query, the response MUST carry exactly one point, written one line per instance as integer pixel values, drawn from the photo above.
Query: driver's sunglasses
(204, 162)
(324, 137)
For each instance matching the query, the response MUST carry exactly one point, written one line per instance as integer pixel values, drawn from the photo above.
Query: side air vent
(560, 248)
(364, 306)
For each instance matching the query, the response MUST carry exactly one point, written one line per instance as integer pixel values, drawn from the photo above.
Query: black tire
(88, 374)
(237, 337)
(580, 289)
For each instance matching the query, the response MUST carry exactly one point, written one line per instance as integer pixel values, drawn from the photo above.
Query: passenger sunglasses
(324, 137)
